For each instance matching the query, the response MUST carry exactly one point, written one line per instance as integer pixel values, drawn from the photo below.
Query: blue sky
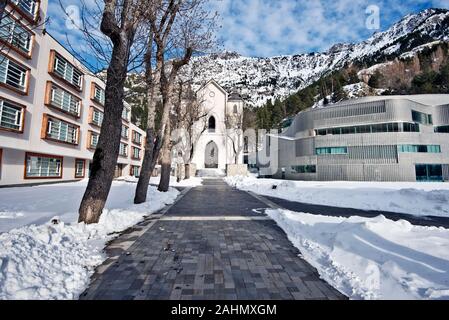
(278, 27)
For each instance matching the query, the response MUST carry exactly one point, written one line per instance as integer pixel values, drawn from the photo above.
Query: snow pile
(191, 182)
(55, 261)
(420, 199)
(372, 258)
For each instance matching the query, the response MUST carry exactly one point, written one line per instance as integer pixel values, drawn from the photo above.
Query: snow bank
(420, 199)
(55, 261)
(372, 258)
(191, 182)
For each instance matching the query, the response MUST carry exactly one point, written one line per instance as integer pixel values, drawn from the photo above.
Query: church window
(211, 124)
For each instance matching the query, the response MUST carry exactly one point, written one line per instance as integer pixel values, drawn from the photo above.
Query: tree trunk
(106, 154)
(187, 171)
(179, 175)
(147, 167)
(152, 142)
(164, 183)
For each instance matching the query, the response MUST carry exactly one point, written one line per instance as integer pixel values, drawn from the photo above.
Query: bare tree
(234, 133)
(179, 28)
(120, 23)
(190, 121)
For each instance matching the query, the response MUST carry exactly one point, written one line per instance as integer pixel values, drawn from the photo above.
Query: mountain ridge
(260, 79)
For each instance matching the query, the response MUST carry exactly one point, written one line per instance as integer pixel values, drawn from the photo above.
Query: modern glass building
(385, 138)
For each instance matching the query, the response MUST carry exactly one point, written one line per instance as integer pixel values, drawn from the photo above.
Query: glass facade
(429, 172)
(304, 169)
(332, 150)
(370, 128)
(404, 148)
(441, 129)
(422, 118)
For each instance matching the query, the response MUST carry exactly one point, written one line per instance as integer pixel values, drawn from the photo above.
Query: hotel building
(386, 138)
(51, 106)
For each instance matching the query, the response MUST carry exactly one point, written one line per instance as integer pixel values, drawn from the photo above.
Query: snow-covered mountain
(260, 79)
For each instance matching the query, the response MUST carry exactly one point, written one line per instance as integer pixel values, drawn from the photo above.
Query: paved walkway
(211, 244)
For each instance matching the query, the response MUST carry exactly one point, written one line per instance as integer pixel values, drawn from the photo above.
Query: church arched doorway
(211, 156)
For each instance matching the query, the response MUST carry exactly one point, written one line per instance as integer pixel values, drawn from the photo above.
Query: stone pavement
(214, 243)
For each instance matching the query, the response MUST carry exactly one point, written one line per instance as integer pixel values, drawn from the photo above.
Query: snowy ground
(404, 197)
(372, 258)
(41, 260)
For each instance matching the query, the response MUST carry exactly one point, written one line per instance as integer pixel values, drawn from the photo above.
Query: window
(62, 99)
(304, 169)
(66, 71)
(96, 117)
(13, 75)
(236, 110)
(123, 151)
(125, 114)
(92, 140)
(137, 137)
(332, 150)
(29, 7)
(42, 166)
(407, 148)
(125, 132)
(135, 171)
(422, 118)
(12, 115)
(98, 94)
(429, 172)
(211, 124)
(16, 35)
(80, 167)
(442, 129)
(60, 130)
(370, 128)
(136, 153)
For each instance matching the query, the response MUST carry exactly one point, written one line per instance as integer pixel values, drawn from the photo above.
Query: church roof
(214, 83)
(234, 96)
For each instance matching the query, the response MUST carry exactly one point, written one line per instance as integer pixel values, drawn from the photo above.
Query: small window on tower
(236, 110)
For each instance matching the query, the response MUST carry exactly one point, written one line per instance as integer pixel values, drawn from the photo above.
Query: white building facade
(51, 107)
(221, 142)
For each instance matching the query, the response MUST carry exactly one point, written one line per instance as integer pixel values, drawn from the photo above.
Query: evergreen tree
(375, 80)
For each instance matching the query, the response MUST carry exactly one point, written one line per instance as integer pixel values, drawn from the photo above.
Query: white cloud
(266, 28)
(276, 27)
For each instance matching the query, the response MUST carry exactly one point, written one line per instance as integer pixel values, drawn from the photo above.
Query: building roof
(215, 83)
(425, 99)
(234, 96)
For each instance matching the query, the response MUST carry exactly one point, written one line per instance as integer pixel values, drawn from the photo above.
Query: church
(218, 145)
